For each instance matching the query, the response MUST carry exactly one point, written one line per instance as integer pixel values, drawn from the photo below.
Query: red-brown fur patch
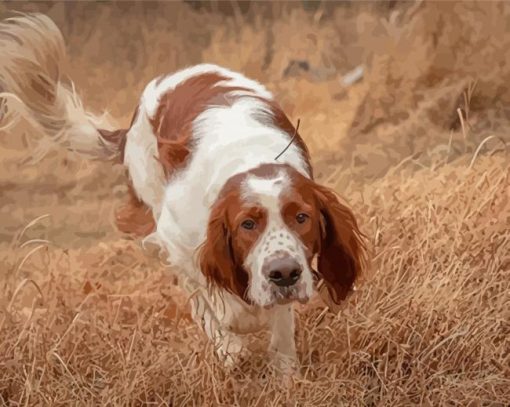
(135, 217)
(178, 108)
(297, 200)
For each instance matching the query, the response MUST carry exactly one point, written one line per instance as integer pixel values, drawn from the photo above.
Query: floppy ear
(217, 258)
(342, 254)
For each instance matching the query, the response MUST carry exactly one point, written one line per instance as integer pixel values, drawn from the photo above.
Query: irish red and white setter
(219, 178)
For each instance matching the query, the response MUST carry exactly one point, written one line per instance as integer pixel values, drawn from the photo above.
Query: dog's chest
(239, 317)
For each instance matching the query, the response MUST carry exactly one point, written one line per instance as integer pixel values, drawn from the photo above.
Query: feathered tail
(32, 91)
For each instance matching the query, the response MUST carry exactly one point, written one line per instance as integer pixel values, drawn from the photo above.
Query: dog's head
(267, 227)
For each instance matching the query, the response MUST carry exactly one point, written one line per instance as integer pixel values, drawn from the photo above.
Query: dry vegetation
(418, 148)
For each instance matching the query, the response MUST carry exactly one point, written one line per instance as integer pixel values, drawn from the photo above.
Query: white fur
(140, 156)
(227, 140)
(282, 336)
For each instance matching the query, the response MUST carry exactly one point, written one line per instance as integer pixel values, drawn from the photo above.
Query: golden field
(417, 147)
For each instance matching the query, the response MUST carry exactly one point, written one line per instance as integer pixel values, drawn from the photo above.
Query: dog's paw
(286, 365)
(231, 351)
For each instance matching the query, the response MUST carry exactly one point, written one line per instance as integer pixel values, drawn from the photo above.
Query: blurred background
(385, 76)
(375, 84)
(397, 101)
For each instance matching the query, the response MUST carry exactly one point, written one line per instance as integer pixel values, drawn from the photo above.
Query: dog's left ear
(342, 254)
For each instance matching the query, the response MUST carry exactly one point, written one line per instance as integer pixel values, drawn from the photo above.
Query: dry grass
(86, 317)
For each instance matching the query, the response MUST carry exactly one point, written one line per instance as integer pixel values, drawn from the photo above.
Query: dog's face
(266, 229)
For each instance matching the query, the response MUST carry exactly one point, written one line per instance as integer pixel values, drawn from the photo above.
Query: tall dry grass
(417, 147)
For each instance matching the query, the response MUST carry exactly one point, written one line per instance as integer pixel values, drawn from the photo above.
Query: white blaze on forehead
(265, 191)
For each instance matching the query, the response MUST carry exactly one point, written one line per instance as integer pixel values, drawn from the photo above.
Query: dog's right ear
(217, 259)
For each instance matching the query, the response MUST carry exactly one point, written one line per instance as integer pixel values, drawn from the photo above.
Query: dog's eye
(248, 224)
(301, 217)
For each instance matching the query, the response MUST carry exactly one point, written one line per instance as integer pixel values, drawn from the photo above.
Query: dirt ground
(417, 147)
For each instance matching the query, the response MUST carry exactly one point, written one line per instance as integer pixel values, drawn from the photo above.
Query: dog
(219, 178)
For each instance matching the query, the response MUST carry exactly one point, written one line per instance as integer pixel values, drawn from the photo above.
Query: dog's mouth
(272, 294)
(288, 295)
(286, 301)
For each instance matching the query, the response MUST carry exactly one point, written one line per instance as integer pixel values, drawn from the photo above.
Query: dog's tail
(32, 91)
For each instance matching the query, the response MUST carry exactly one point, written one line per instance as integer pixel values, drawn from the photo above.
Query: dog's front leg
(229, 346)
(282, 338)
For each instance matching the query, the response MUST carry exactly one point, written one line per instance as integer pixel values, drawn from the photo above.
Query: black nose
(284, 272)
